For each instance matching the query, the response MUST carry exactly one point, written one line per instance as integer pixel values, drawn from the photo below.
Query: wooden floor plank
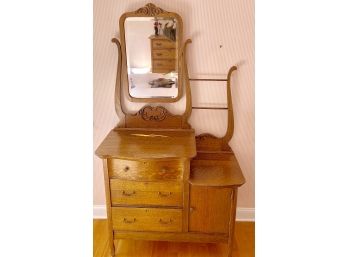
(244, 245)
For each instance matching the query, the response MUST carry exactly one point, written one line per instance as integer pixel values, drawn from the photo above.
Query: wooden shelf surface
(215, 172)
(148, 144)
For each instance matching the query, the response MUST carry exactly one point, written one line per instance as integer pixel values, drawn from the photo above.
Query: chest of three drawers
(146, 195)
(163, 52)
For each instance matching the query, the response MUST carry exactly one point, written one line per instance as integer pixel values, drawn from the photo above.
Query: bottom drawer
(147, 219)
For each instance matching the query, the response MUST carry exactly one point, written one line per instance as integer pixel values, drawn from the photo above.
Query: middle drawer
(126, 192)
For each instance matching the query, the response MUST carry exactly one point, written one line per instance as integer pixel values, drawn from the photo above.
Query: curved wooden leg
(232, 221)
(108, 207)
(112, 249)
(230, 248)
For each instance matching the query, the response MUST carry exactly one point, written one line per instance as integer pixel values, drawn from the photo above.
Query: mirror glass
(152, 52)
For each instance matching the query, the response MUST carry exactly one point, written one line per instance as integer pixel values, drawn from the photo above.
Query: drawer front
(147, 219)
(160, 44)
(163, 54)
(163, 64)
(146, 170)
(126, 192)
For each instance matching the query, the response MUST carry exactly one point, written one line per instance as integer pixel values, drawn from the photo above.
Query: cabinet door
(210, 209)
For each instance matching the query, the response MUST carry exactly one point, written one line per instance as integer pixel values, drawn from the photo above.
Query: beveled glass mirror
(151, 42)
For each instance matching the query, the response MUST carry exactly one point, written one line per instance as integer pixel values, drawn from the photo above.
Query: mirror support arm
(188, 109)
(230, 126)
(118, 90)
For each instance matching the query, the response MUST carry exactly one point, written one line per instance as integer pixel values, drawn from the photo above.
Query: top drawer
(146, 170)
(160, 44)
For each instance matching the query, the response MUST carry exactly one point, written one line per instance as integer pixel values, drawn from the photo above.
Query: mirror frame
(150, 10)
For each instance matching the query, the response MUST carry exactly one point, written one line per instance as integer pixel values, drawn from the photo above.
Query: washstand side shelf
(161, 181)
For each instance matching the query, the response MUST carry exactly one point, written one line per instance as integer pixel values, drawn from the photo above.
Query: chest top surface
(148, 144)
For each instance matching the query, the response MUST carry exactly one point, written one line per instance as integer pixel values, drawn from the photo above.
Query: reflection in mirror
(151, 47)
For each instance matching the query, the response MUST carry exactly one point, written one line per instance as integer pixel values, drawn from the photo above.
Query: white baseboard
(243, 214)
(99, 211)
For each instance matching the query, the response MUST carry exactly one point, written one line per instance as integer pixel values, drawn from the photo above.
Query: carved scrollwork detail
(205, 136)
(150, 10)
(150, 113)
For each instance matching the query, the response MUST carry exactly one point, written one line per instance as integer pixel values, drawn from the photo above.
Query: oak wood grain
(146, 170)
(209, 209)
(218, 173)
(175, 237)
(148, 144)
(146, 219)
(164, 193)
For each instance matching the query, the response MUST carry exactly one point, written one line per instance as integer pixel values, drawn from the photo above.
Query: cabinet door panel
(210, 209)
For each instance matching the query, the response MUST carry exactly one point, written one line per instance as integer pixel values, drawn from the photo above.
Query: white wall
(223, 35)
(138, 45)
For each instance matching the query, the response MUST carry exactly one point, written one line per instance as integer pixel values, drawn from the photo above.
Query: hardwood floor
(244, 245)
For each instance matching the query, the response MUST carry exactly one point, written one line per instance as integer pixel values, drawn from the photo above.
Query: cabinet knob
(126, 169)
(192, 209)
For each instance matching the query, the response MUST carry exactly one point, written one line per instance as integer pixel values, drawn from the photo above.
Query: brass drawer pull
(159, 54)
(128, 194)
(164, 194)
(165, 222)
(129, 221)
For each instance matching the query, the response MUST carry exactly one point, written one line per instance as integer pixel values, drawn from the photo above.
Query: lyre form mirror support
(126, 119)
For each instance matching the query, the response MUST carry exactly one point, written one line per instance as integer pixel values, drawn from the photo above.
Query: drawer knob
(165, 222)
(192, 209)
(159, 54)
(164, 169)
(128, 194)
(126, 169)
(164, 194)
(129, 221)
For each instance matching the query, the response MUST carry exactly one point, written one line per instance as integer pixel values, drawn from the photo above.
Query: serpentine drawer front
(147, 219)
(127, 192)
(146, 170)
